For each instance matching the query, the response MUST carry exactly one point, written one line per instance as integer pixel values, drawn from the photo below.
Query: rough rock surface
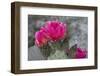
(35, 54)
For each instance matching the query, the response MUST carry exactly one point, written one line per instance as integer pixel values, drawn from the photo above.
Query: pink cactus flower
(40, 38)
(52, 31)
(55, 30)
(80, 53)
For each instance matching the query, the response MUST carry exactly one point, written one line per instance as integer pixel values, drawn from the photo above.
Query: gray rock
(79, 32)
(35, 54)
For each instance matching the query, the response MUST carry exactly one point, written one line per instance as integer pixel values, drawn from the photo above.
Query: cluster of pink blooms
(54, 31)
(51, 31)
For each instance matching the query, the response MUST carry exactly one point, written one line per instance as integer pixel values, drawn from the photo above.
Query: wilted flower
(40, 38)
(55, 30)
(80, 53)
